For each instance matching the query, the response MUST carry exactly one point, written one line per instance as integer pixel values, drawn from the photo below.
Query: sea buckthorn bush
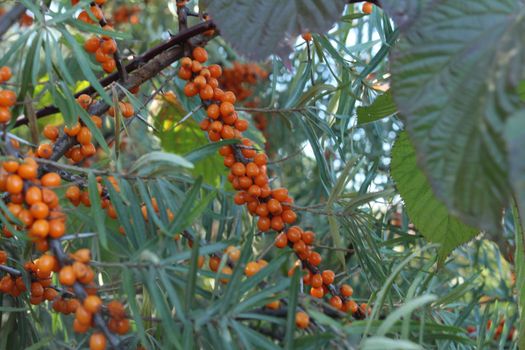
(162, 187)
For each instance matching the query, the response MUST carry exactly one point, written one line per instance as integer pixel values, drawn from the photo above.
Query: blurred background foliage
(335, 166)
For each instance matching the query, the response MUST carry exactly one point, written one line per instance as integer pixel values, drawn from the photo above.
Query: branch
(10, 18)
(175, 40)
(10, 270)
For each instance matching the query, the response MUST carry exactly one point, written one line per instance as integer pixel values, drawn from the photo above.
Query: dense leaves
(454, 107)
(429, 214)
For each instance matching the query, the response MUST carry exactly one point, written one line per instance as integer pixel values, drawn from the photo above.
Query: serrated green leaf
(429, 214)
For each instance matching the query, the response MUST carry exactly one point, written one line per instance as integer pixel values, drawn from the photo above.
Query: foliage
(393, 211)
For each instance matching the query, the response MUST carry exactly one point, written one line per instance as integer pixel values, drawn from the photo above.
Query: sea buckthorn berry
(215, 70)
(328, 276)
(200, 54)
(3, 257)
(7, 98)
(73, 130)
(307, 36)
(123, 326)
(88, 150)
(281, 194)
(314, 258)
(317, 292)
(274, 305)
(263, 224)
(109, 66)
(51, 132)
(92, 44)
(234, 253)
(336, 302)
(218, 94)
(185, 62)
(97, 121)
(109, 46)
(294, 234)
(289, 216)
(260, 159)
(196, 66)
(368, 7)
(50, 294)
(82, 255)
(350, 306)
(39, 210)
(213, 111)
(5, 115)
(5, 73)
(11, 166)
(66, 276)
(116, 309)
(226, 109)
(238, 169)
(92, 303)
(229, 97)
(84, 100)
(14, 184)
(299, 247)
(302, 320)
(227, 132)
(308, 237)
(316, 281)
(281, 240)
(200, 82)
(79, 327)
(190, 89)
(46, 263)
(226, 270)
(97, 341)
(274, 206)
(36, 289)
(277, 223)
(51, 180)
(347, 290)
(241, 125)
(214, 263)
(252, 169)
(252, 268)
(57, 228)
(27, 171)
(45, 151)
(205, 73)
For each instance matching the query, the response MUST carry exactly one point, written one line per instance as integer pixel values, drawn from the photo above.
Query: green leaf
(292, 305)
(429, 214)
(455, 72)
(269, 25)
(97, 213)
(150, 163)
(383, 106)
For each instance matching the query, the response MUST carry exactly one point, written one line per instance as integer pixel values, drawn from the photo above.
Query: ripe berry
(200, 54)
(252, 268)
(367, 8)
(281, 240)
(97, 341)
(314, 258)
(328, 276)
(336, 302)
(66, 276)
(302, 320)
(347, 290)
(92, 303)
(51, 180)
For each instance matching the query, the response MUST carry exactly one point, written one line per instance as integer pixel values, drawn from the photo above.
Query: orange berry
(5, 73)
(347, 290)
(308, 237)
(92, 303)
(317, 292)
(39, 210)
(84, 136)
(7, 98)
(109, 66)
(84, 100)
(66, 276)
(302, 320)
(263, 224)
(14, 184)
(109, 46)
(281, 240)
(274, 305)
(307, 36)
(200, 54)
(314, 258)
(367, 8)
(190, 89)
(5, 115)
(336, 302)
(328, 276)
(226, 109)
(50, 132)
(92, 44)
(214, 263)
(51, 180)
(97, 341)
(294, 234)
(215, 70)
(289, 216)
(252, 268)
(27, 171)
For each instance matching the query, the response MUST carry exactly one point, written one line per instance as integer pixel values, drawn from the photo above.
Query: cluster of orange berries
(40, 288)
(241, 78)
(7, 97)
(81, 132)
(32, 201)
(497, 333)
(126, 14)
(248, 175)
(222, 121)
(102, 47)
